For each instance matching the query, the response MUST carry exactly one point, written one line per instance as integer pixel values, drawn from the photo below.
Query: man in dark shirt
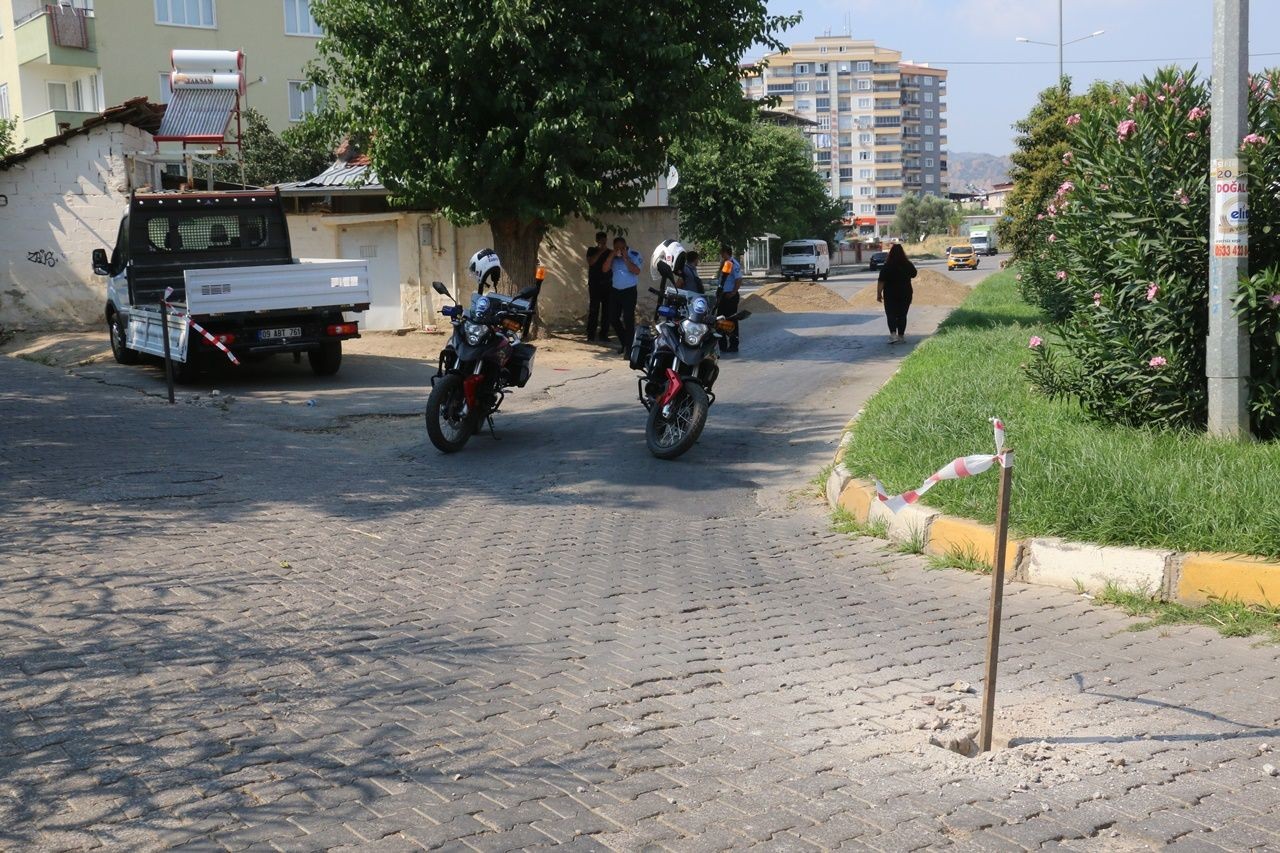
(599, 285)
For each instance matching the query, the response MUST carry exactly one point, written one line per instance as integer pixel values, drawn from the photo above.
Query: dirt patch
(560, 352)
(58, 349)
(929, 287)
(795, 297)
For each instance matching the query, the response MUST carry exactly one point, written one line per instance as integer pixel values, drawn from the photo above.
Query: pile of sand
(929, 287)
(795, 297)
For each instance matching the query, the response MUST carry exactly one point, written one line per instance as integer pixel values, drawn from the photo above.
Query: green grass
(1074, 477)
(843, 522)
(1230, 618)
(966, 559)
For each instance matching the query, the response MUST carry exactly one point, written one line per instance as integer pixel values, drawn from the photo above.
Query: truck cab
(226, 262)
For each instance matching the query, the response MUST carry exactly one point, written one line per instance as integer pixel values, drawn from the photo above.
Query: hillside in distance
(981, 170)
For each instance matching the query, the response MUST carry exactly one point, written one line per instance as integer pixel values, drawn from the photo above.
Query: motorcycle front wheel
(448, 424)
(671, 435)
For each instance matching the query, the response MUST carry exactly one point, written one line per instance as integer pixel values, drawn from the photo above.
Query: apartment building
(63, 61)
(880, 123)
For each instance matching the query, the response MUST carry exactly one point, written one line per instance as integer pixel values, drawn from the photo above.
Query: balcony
(36, 41)
(40, 127)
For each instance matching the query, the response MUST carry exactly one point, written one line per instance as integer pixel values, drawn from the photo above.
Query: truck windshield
(797, 250)
(186, 232)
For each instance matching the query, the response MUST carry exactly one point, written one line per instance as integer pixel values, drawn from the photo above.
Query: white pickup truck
(228, 259)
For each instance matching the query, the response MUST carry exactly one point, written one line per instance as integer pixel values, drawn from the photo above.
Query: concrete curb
(1190, 578)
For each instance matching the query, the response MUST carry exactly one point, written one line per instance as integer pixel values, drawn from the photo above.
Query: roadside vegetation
(1076, 477)
(1229, 618)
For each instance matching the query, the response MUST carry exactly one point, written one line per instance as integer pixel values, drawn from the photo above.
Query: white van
(806, 259)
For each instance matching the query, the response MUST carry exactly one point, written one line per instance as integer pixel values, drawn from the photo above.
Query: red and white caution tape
(957, 469)
(200, 330)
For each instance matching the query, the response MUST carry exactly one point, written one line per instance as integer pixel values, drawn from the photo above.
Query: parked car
(806, 259)
(226, 263)
(877, 260)
(962, 256)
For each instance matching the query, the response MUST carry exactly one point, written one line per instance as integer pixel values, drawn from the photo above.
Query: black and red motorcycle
(679, 356)
(485, 357)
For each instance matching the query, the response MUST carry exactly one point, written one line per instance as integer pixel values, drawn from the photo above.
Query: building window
(802, 86)
(304, 100)
(864, 174)
(57, 96)
(822, 50)
(298, 20)
(864, 156)
(842, 104)
(824, 122)
(824, 104)
(864, 103)
(845, 140)
(186, 13)
(5, 110)
(822, 86)
(928, 162)
(928, 179)
(846, 173)
(927, 96)
(846, 191)
(803, 106)
(801, 68)
(864, 85)
(865, 191)
(84, 94)
(867, 208)
(864, 139)
(864, 66)
(928, 81)
(928, 146)
(824, 67)
(928, 130)
(928, 113)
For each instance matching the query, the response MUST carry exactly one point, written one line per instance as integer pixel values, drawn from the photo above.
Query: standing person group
(599, 285)
(893, 288)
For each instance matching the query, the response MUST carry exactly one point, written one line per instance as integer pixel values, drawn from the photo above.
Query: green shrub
(1121, 260)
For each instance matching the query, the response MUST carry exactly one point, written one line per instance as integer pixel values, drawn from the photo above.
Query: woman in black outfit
(893, 288)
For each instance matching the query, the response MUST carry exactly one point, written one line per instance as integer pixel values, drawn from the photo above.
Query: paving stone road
(222, 634)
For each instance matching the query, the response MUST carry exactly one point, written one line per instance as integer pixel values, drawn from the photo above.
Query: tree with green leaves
(920, 216)
(1038, 166)
(523, 114)
(302, 151)
(749, 178)
(9, 142)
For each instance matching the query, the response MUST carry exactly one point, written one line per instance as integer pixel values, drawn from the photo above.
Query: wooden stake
(168, 358)
(997, 603)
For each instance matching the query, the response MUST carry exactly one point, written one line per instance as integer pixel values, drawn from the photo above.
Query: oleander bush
(1120, 262)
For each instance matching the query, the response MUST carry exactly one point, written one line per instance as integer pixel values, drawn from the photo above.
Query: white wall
(63, 204)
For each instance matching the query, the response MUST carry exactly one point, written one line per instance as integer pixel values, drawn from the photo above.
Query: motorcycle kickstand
(493, 432)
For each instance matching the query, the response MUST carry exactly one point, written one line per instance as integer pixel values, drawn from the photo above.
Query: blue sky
(983, 100)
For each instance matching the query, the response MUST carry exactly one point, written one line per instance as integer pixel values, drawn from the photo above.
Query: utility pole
(1227, 361)
(1061, 71)
(1060, 44)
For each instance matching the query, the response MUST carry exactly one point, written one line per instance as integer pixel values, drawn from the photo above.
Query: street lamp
(1060, 44)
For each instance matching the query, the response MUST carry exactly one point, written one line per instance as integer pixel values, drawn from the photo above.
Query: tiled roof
(138, 112)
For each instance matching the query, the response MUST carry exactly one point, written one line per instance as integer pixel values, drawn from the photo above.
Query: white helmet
(484, 264)
(667, 259)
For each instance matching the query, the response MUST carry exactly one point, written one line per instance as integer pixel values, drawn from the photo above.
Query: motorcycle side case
(641, 348)
(520, 367)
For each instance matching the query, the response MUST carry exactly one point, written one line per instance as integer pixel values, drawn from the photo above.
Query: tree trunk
(516, 241)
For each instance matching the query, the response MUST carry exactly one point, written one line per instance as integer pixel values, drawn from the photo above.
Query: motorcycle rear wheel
(669, 437)
(447, 427)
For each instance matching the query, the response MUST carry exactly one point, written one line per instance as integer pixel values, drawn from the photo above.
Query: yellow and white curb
(1191, 578)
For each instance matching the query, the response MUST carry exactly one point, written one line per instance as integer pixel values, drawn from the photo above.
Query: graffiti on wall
(44, 257)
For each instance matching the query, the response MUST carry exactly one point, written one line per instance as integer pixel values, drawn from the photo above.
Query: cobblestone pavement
(228, 636)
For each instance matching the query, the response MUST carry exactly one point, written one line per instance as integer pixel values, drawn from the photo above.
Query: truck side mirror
(101, 266)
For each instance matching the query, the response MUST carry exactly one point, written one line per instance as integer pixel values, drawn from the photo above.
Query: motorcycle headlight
(701, 306)
(482, 305)
(692, 332)
(475, 332)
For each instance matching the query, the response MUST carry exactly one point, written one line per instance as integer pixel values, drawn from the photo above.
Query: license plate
(272, 334)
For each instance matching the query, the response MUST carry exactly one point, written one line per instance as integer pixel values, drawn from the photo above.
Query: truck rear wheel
(116, 331)
(326, 360)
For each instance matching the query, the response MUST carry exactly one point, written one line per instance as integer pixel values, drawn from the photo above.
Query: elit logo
(1233, 214)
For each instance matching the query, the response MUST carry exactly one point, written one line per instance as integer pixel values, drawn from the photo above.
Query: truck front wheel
(116, 330)
(326, 360)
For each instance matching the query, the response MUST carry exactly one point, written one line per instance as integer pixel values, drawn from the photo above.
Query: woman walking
(893, 288)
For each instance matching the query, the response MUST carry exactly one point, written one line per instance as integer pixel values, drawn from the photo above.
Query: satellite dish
(673, 177)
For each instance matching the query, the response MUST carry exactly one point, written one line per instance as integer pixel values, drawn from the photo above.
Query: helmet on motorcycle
(484, 264)
(667, 259)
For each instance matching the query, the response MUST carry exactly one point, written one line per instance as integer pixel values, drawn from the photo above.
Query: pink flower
(1196, 113)
(1138, 102)
(1053, 238)
(1275, 299)
(1018, 276)
(1253, 139)
(1035, 342)
(1193, 135)
(1062, 275)
(1073, 119)
(1067, 158)
(1183, 200)
(1125, 129)
(1104, 186)
(1066, 187)
(1097, 299)
(1160, 98)
(1158, 361)
(1152, 291)
(1039, 216)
